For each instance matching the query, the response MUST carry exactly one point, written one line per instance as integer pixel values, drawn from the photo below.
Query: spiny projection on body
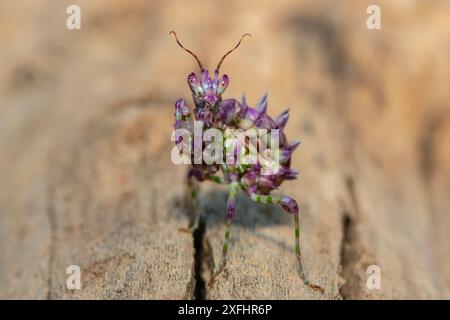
(223, 114)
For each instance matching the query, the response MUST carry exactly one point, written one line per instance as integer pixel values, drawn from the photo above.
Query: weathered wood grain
(113, 205)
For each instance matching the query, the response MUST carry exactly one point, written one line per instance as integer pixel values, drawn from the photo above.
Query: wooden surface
(85, 123)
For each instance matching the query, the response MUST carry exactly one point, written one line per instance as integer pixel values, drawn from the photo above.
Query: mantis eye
(192, 78)
(223, 84)
(194, 83)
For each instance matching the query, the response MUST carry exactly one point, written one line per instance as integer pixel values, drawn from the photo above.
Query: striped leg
(193, 190)
(289, 205)
(231, 212)
(216, 179)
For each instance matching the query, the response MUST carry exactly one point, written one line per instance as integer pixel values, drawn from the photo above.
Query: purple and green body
(222, 114)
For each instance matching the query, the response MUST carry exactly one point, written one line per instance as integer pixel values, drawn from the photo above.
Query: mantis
(257, 179)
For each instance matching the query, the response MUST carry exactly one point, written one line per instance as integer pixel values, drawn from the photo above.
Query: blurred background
(86, 176)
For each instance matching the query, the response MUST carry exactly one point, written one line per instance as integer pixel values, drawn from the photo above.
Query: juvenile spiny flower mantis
(223, 114)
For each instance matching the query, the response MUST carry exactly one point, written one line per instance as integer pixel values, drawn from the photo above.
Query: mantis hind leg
(289, 205)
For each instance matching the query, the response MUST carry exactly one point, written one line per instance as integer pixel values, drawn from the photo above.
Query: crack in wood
(347, 224)
(348, 252)
(198, 235)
